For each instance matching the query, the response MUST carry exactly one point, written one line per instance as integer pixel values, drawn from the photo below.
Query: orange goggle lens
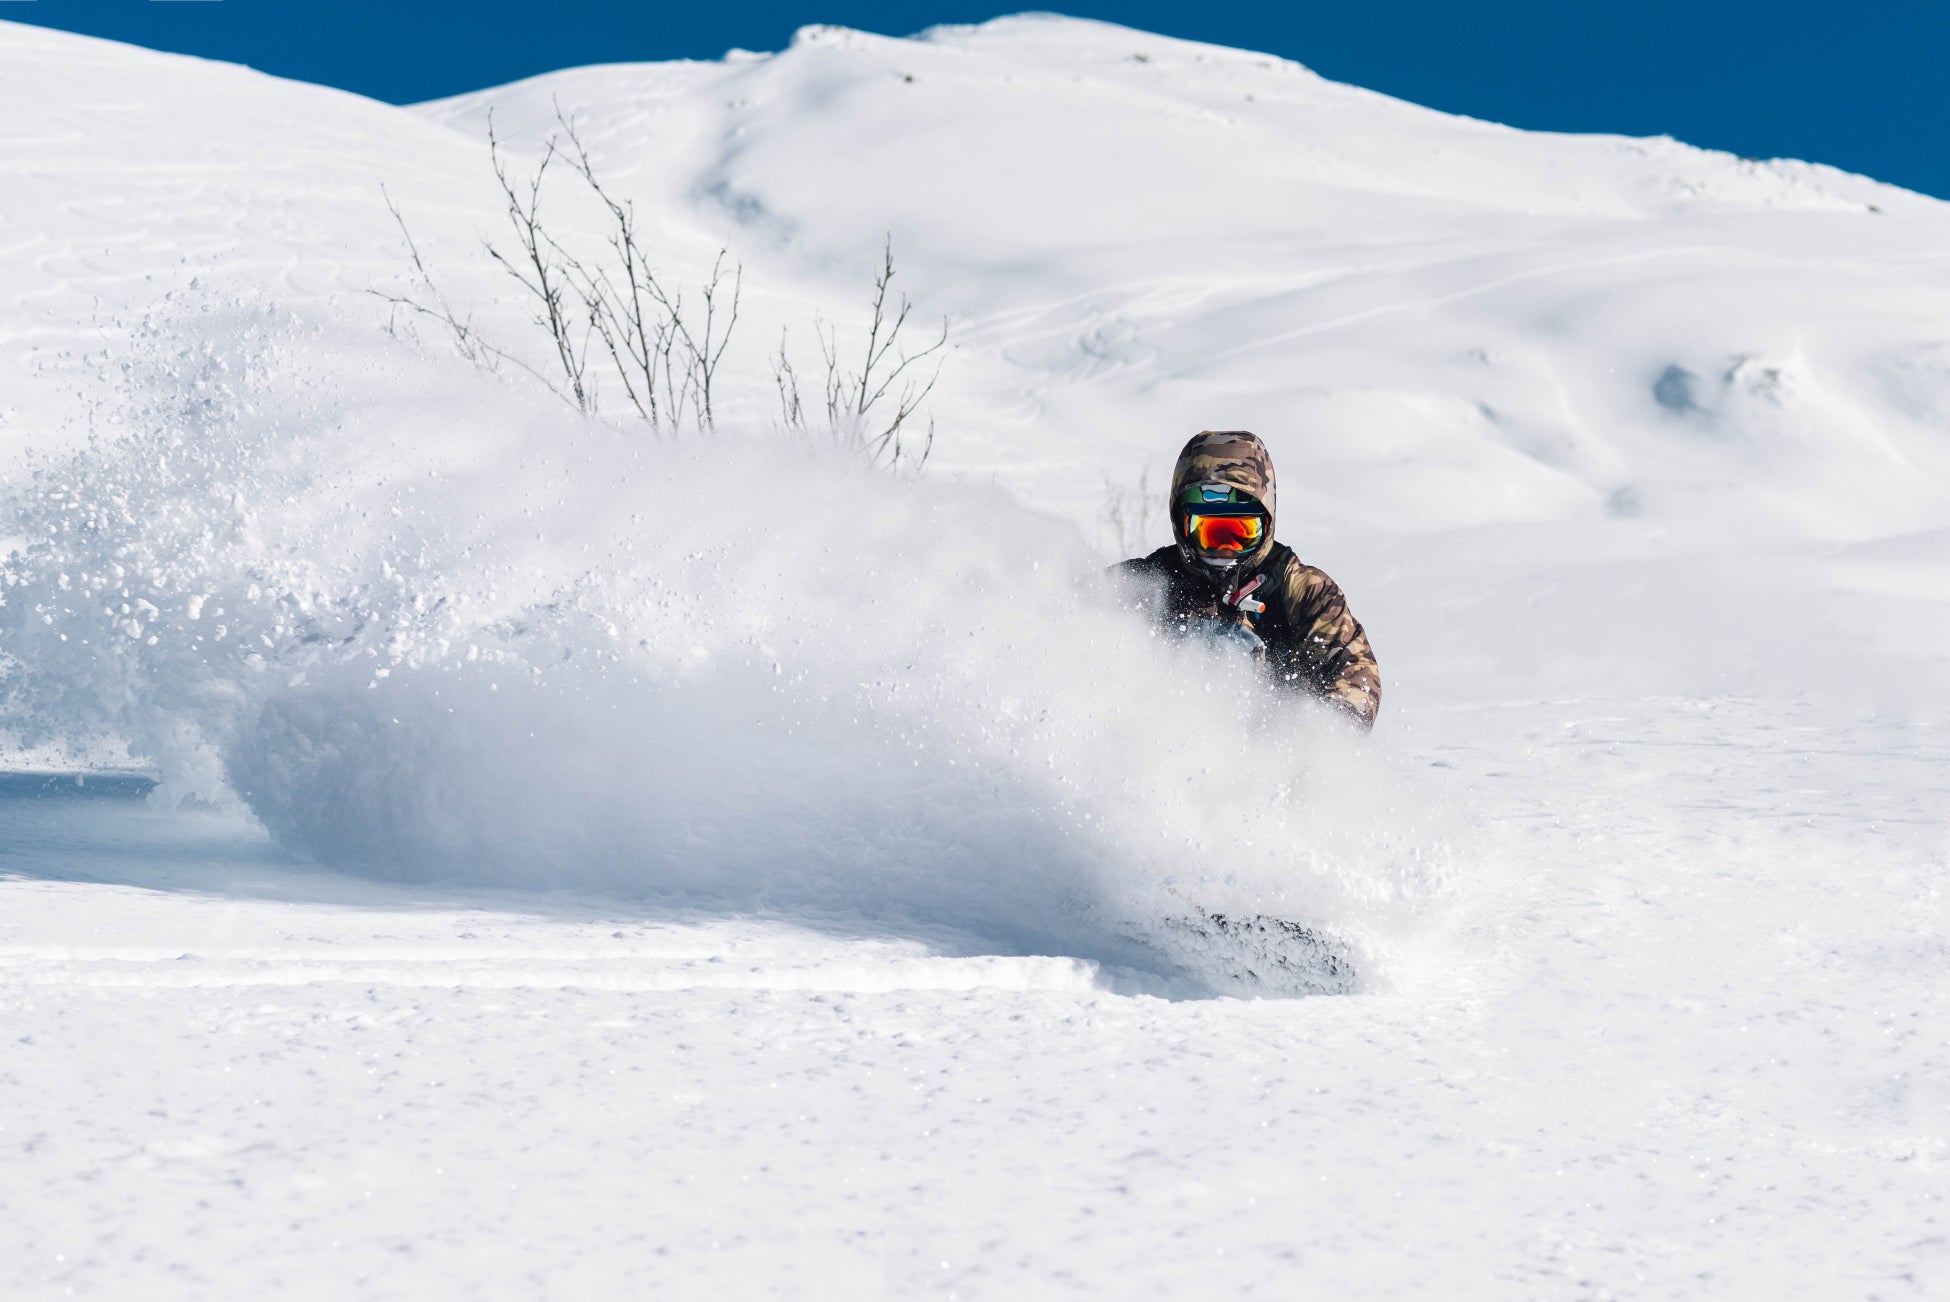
(1224, 535)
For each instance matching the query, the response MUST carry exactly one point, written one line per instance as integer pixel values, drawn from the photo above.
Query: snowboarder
(1224, 574)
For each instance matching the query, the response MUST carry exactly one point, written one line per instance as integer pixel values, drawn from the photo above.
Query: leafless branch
(536, 269)
(857, 414)
(1131, 511)
(610, 319)
(792, 409)
(467, 340)
(668, 360)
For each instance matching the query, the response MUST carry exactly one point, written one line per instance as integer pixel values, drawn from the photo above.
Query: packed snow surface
(452, 846)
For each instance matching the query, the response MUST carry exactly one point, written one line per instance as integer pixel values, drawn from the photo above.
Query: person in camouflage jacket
(1223, 572)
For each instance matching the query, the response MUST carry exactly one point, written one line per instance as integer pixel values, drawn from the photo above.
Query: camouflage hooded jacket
(1313, 642)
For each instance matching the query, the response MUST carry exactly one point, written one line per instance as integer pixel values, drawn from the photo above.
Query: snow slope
(581, 862)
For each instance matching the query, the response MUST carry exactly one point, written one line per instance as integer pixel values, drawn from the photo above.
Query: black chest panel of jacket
(1312, 641)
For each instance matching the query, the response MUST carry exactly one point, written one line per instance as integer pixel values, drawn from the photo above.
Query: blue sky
(1860, 85)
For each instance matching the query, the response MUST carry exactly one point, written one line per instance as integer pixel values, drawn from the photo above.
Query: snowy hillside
(521, 856)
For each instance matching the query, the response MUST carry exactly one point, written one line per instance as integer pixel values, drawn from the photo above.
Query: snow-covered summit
(1133, 236)
(1068, 133)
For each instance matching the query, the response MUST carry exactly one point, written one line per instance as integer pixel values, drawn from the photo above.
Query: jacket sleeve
(1323, 648)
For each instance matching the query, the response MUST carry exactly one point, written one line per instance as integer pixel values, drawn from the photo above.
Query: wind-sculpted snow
(423, 628)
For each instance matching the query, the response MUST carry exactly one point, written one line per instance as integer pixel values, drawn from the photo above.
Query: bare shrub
(541, 269)
(870, 410)
(611, 320)
(427, 301)
(666, 357)
(1131, 512)
(609, 317)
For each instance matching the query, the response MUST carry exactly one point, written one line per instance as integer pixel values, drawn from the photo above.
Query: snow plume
(424, 628)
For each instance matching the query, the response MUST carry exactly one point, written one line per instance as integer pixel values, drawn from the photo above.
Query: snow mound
(424, 628)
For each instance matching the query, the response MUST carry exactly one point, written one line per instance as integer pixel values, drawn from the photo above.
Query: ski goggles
(1224, 535)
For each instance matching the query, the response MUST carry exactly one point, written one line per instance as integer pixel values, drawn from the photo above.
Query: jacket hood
(1237, 459)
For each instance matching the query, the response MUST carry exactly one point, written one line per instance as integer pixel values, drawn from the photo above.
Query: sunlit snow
(450, 847)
